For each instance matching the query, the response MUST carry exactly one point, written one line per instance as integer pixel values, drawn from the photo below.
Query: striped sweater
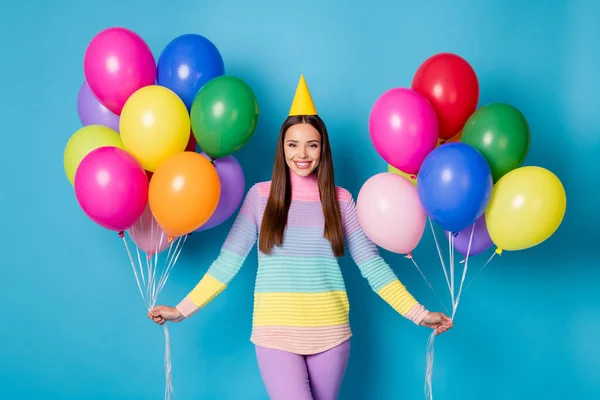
(300, 300)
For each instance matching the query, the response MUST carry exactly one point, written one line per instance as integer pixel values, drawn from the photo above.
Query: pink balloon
(404, 128)
(148, 235)
(117, 63)
(111, 188)
(390, 213)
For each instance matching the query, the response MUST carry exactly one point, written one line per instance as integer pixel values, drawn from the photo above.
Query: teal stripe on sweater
(226, 266)
(377, 272)
(299, 275)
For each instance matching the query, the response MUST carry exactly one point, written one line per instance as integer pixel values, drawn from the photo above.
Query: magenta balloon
(390, 213)
(481, 238)
(92, 112)
(148, 235)
(404, 128)
(116, 64)
(231, 177)
(111, 188)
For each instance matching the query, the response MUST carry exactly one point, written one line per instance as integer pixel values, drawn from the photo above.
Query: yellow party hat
(303, 103)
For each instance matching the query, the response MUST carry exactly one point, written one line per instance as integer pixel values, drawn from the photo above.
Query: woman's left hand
(437, 321)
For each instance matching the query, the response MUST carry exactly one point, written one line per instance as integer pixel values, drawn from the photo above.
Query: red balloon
(450, 84)
(191, 146)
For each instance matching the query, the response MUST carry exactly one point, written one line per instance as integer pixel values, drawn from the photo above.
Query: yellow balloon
(527, 206)
(411, 177)
(154, 125)
(82, 142)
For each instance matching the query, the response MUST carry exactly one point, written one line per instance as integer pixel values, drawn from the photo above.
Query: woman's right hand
(160, 314)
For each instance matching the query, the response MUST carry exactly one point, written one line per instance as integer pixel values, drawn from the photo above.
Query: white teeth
(302, 164)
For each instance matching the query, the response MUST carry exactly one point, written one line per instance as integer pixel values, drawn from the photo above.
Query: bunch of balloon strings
(151, 274)
(449, 274)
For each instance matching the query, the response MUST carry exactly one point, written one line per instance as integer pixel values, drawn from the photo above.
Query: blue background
(73, 324)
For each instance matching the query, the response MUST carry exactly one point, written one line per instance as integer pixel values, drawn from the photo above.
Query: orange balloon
(184, 193)
(453, 139)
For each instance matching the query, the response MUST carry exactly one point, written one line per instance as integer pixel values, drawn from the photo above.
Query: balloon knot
(413, 177)
(121, 234)
(499, 251)
(409, 256)
(454, 234)
(170, 239)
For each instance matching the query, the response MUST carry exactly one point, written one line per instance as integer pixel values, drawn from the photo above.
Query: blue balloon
(187, 63)
(455, 185)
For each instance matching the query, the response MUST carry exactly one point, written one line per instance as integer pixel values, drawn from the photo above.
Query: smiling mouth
(302, 164)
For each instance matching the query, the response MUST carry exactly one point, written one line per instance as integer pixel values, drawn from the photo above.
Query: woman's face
(302, 149)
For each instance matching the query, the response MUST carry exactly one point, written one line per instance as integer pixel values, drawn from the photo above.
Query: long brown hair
(276, 212)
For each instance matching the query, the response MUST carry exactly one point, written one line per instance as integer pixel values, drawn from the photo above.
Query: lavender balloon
(232, 181)
(92, 112)
(481, 239)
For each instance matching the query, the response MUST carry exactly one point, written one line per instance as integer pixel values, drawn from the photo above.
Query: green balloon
(224, 115)
(501, 133)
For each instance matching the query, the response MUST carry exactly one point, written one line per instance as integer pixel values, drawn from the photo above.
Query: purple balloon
(92, 112)
(232, 181)
(481, 238)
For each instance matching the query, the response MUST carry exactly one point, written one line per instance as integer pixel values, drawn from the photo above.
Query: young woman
(303, 223)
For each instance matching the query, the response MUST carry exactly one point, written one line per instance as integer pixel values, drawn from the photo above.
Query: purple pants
(289, 376)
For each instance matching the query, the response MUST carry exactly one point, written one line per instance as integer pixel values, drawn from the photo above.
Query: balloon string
(451, 252)
(430, 350)
(171, 263)
(411, 258)
(437, 245)
(135, 273)
(169, 390)
(138, 253)
(464, 274)
(429, 356)
(154, 286)
(481, 269)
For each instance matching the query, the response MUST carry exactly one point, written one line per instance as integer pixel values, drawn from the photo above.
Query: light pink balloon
(117, 63)
(404, 128)
(390, 213)
(148, 235)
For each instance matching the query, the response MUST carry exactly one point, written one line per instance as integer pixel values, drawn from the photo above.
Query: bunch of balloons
(464, 163)
(134, 163)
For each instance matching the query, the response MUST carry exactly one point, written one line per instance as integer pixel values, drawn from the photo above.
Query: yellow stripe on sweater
(206, 290)
(301, 309)
(397, 296)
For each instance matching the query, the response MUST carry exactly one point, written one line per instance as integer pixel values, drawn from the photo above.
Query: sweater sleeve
(378, 273)
(235, 249)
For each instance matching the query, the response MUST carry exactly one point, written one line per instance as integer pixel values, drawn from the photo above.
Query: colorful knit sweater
(300, 300)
